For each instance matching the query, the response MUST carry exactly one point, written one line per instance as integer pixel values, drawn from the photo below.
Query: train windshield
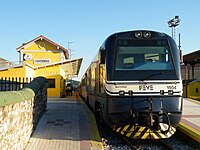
(143, 55)
(136, 59)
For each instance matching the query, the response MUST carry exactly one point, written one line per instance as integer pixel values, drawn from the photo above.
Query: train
(134, 84)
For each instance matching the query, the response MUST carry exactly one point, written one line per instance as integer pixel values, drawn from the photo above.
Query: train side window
(102, 56)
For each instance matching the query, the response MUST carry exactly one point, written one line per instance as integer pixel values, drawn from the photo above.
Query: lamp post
(173, 23)
(70, 51)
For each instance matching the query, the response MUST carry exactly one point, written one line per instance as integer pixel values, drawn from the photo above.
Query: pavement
(69, 125)
(66, 125)
(190, 122)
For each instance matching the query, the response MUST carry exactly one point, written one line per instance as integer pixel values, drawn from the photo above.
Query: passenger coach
(134, 84)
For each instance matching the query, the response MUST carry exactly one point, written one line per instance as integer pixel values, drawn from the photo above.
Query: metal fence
(13, 84)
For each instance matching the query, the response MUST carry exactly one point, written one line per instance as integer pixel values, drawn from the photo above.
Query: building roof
(5, 63)
(192, 58)
(41, 37)
(194, 81)
(70, 67)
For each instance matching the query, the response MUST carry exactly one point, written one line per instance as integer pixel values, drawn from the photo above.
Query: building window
(51, 83)
(197, 90)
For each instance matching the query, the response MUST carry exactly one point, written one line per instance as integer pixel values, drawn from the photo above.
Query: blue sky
(88, 22)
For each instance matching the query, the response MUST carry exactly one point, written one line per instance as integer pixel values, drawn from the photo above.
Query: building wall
(41, 44)
(52, 73)
(29, 72)
(47, 71)
(37, 55)
(42, 53)
(14, 72)
(193, 90)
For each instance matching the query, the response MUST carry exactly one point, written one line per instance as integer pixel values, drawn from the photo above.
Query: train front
(143, 84)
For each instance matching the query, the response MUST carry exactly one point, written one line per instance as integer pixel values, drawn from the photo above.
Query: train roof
(131, 33)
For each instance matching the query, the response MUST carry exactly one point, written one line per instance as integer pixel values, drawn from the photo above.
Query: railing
(20, 112)
(13, 84)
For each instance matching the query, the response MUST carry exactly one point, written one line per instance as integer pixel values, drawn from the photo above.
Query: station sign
(42, 61)
(27, 56)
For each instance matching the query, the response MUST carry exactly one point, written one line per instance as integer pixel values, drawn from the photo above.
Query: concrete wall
(20, 112)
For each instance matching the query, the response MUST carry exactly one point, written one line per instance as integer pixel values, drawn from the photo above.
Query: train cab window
(143, 58)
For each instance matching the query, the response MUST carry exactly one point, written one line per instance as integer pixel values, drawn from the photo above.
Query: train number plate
(145, 87)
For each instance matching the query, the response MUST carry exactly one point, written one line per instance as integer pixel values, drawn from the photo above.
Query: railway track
(139, 145)
(174, 143)
(167, 146)
(115, 141)
(130, 144)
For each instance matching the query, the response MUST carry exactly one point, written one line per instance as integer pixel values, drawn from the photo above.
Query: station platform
(66, 125)
(190, 122)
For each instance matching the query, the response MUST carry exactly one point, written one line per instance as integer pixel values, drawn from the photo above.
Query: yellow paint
(43, 55)
(125, 129)
(41, 45)
(118, 129)
(49, 51)
(154, 135)
(139, 132)
(48, 71)
(191, 132)
(41, 50)
(53, 72)
(145, 135)
(193, 90)
(14, 72)
(130, 132)
(162, 135)
(95, 140)
(54, 92)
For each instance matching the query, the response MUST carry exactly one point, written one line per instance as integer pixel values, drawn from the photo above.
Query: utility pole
(173, 23)
(70, 50)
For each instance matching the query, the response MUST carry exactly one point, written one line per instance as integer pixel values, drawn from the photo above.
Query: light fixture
(121, 93)
(170, 92)
(147, 35)
(138, 34)
(172, 23)
(130, 92)
(162, 92)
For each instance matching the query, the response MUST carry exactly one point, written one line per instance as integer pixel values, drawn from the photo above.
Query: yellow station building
(43, 57)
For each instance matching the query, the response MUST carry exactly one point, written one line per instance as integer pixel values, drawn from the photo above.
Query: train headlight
(130, 92)
(170, 92)
(162, 92)
(146, 35)
(138, 34)
(121, 93)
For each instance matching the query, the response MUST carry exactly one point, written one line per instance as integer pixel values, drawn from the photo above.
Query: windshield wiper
(151, 75)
